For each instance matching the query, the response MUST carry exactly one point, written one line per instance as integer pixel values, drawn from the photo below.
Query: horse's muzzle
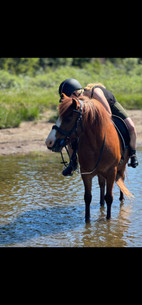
(58, 145)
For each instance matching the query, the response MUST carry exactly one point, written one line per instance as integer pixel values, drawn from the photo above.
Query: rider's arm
(98, 95)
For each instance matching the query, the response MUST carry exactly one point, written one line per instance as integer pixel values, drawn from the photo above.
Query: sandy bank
(31, 136)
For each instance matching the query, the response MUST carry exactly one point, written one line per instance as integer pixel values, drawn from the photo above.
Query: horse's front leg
(87, 195)
(101, 181)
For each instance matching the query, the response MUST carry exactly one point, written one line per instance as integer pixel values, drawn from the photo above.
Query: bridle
(67, 134)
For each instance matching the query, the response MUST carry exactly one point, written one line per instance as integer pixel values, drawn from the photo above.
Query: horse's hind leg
(109, 194)
(87, 195)
(101, 181)
(121, 198)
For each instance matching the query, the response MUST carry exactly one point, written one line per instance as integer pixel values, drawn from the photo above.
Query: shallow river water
(41, 208)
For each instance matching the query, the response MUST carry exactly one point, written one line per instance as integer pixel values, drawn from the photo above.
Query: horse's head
(70, 112)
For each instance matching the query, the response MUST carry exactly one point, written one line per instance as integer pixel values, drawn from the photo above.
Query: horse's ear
(63, 96)
(75, 104)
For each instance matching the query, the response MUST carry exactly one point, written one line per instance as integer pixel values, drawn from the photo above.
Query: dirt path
(31, 136)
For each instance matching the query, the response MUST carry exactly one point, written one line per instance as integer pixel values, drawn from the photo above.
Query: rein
(63, 161)
(100, 156)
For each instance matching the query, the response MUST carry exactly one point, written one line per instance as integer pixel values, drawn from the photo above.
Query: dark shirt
(108, 95)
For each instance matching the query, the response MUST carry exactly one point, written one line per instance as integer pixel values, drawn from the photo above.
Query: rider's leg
(73, 160)
(133, 136)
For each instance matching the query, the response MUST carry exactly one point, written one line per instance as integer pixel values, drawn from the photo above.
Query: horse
(99, 147)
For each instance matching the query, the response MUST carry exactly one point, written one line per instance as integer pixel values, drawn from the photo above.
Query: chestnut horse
(99, 147)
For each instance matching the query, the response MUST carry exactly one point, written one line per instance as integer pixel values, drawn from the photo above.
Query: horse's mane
(93, 111)
(64, 105)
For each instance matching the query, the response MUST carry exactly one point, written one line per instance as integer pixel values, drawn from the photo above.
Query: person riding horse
(72, 88)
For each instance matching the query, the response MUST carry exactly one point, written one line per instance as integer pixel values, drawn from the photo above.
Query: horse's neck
(95, 131)
(95, 137)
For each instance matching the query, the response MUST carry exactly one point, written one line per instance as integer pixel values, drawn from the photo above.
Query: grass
(24, 98)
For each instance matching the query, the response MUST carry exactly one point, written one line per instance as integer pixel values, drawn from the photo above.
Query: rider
(72, 88)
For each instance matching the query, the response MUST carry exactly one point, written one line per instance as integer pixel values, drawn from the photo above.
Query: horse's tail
(123, 187)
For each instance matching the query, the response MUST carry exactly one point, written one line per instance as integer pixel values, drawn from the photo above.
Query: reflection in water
(40, 207)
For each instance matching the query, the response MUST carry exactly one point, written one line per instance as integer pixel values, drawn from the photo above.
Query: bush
(9, 81)
(130, 64)
(13, 115)
(24, 97)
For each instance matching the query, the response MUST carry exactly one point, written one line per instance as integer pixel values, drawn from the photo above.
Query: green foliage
(9, 81)
(12, 113)
(20, 65)
(31, 66)
(29, 86)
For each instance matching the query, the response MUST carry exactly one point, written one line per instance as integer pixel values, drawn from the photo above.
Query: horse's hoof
(108, 217)
(87, 220)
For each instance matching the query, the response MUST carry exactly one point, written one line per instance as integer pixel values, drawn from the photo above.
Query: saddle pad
(121, 129)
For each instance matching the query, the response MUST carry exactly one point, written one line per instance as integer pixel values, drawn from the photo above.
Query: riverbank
(25, 97)
(30, 137)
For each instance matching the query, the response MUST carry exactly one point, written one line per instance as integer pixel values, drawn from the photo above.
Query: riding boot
(72, 165)
(134, 161)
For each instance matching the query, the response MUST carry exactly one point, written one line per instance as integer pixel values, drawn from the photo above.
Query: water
(41, 208)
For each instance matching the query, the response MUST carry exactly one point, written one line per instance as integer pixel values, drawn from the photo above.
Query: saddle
(122, 131)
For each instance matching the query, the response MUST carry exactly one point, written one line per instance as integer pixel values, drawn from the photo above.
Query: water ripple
(40, 207)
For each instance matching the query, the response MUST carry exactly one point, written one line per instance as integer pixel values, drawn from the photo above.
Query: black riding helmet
(68, 86)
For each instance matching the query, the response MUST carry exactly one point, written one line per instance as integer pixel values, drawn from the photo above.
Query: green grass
(24, 98)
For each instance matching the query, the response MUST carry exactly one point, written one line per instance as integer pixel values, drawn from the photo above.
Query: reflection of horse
(99, 146)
